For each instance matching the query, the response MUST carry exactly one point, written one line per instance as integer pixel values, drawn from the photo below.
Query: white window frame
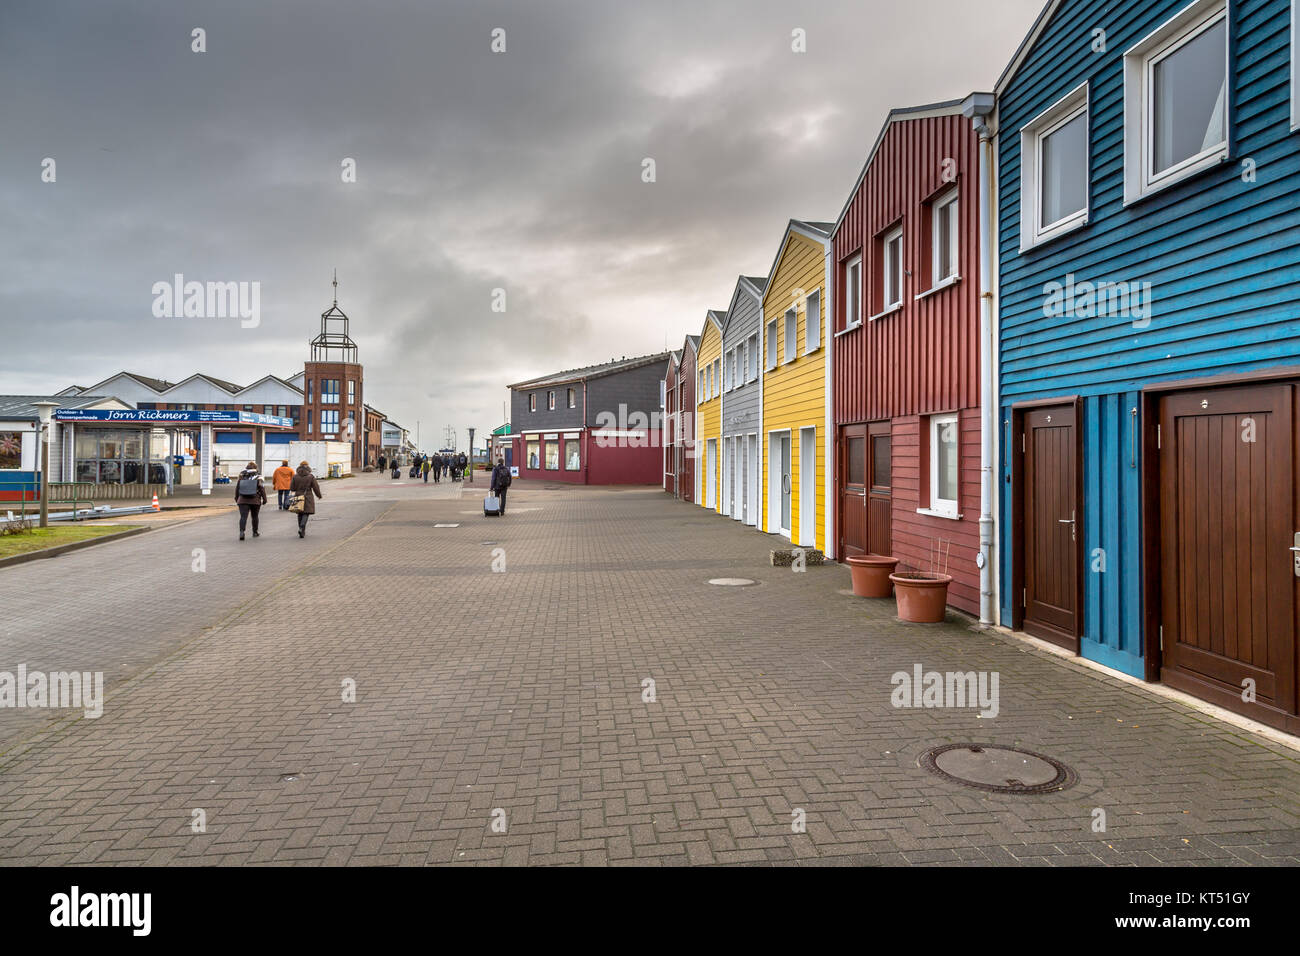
(1068, 108)
(1139, 61)
(532, 401)
(812, 322)
(704, 394)
(709, 391)
(717, 377)
(752, 352)
(1295, 67)
(550, 400)
(773, 341)
(742, 360)
(790, 347)
(939, 208)
(572, 395)
(853, 293)
(942, 507)
(885, 242)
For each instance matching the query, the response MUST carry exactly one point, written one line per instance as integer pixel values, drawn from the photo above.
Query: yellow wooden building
(708, 411)
(797, 446)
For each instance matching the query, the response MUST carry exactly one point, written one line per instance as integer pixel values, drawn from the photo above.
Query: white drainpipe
(979, 106)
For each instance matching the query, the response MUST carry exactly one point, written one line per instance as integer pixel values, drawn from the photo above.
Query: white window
(1295, 67)
(943, 465)
(708, 393)
(550, 401)
(791, 334)
(1054, 170)
(736, 367)
(717, 376)
(751, 351)
(892, 274)
(703, 393)
(771, 344)
(812, 323)
(742, 358)
(532, 402)
(944, 232)
(853, 292)
(1176, 100)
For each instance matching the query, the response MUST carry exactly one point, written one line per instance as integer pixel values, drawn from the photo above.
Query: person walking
(250, 495)
(280, 479)
(426, 466)
(383, 463)
(305, 484)
(501, 482)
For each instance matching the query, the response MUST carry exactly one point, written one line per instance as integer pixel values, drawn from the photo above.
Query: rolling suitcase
(492, 506)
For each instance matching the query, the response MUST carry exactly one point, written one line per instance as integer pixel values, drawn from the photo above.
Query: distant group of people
(440, 466)
(290, 485)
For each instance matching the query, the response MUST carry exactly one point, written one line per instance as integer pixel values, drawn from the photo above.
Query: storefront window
(11, 449)
(532, 455)
(110, 472)
(552, 456)
(87, 471)
(572, 460)
(121, 456)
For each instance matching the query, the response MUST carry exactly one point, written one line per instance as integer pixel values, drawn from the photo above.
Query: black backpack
(503, 481)
(247, 487)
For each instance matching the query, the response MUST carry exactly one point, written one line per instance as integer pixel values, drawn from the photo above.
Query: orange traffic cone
(155, 504)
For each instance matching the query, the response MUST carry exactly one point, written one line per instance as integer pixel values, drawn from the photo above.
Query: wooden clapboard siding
(708, 415)
(922, 359)
(1222, 256)
(688, 373)
(914, 536)
(794, 393)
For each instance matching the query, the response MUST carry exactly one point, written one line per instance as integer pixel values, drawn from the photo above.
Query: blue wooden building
(1148, 345)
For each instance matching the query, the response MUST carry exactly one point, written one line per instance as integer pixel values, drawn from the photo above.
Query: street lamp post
(471, 455)
(45, 410)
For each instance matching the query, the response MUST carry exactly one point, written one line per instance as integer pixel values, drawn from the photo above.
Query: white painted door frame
(775, 489)
(808, 487)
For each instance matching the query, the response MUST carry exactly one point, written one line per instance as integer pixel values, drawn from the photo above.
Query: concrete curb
(59, 549)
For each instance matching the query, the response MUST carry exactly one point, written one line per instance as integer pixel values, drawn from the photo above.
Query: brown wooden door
(1052, 518)
(853, 490)
(1227, 522)
(880, 483)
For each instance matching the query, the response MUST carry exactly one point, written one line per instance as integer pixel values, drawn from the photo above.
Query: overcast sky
(475, 171)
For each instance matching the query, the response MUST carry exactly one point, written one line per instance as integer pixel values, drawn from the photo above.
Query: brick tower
(332, 395)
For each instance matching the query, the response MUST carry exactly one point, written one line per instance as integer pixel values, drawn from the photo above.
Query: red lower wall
(913, 535)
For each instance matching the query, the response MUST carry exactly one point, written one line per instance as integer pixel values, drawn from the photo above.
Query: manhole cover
(998, 769)
(731, 582)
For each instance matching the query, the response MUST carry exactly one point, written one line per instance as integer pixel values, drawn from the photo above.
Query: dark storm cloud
(475, 171)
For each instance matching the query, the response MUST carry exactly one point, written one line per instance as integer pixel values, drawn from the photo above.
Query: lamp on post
(471, 455)
(45, 410)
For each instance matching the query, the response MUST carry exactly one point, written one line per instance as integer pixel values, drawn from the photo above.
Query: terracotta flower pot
(870, 573)
(922, 596)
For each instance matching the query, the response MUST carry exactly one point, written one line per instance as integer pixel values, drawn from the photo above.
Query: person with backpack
(306, 485)
(280, 479)
(250, 495)
(501, 482)
(426, 466)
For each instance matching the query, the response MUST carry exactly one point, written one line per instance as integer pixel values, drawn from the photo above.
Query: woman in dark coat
(252, 500)
(304, 483)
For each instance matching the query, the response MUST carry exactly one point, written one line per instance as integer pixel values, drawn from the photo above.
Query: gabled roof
(1026, 45)
(153, 384)
(748, 285)
(897, 115)
(265, 378)
(693, 341)
(717, 316)
(592, 371)
(816, 231)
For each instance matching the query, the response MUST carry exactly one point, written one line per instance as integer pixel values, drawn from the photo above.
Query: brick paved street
(522, 691)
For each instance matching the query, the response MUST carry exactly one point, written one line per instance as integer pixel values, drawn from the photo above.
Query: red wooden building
(905, 380)
(679, 421)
